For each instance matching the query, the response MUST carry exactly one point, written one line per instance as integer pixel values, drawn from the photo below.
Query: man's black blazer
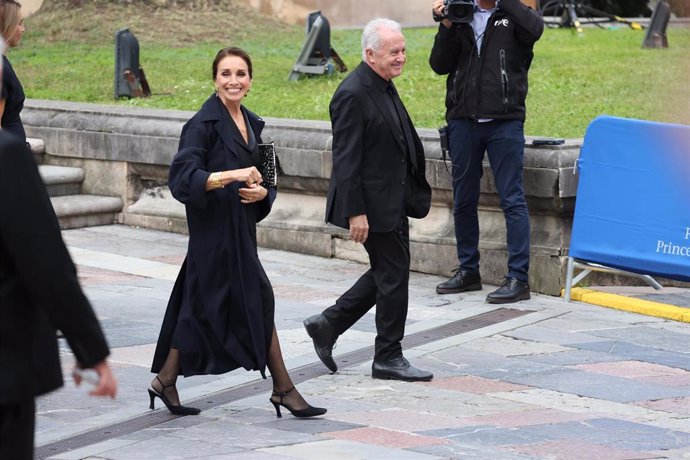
(370, 157)
(39, 290)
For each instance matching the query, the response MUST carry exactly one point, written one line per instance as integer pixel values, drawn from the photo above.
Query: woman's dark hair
(9, 17)
(232, 51)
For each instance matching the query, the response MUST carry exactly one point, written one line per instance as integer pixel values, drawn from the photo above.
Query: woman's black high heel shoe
(308, 411)
(175, 410)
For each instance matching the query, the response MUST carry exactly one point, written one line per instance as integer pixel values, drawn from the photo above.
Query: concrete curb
(631, 304)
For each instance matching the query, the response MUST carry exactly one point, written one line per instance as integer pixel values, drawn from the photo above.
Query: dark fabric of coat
(372, 165)
(13, 93)
(221, 310)
(39, 289)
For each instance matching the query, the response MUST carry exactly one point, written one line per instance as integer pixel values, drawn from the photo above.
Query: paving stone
(167, 445)
(523, 418)
(617, 434)
(228, 432)
(248, 455)
(600, 386)
(384, 437)
(634, 370)
(590, 319)
(89, 275)
(138, 355)
(476, 385)
(401, 420)
(540, 333)
(512, 369)
(680, 406)
(628, 350)
(124, 333)
(597, 408)
(346, 450)
(308, 425)
(483, 435)
(574, 357)
(647, 336)
(577, 450)
(457, 451)
(510, 346)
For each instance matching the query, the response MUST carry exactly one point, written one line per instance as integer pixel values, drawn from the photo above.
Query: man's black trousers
(385, 285)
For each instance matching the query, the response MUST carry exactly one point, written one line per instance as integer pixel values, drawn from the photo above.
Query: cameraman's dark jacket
(493, 83)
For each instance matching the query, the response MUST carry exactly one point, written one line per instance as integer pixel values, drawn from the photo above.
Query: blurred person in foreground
(377, 182)
(220, 316)
(12, 94)
(39, 294)
(486, 61)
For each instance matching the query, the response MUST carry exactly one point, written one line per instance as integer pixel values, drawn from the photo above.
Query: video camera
(456, 11)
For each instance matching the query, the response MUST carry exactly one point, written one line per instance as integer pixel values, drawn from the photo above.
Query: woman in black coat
(221, 312)
(12, 95)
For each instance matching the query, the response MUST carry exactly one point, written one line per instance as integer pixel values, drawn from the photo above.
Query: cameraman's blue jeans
(504, 142)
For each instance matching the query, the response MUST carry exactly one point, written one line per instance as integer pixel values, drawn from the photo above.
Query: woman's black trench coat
(220, 313)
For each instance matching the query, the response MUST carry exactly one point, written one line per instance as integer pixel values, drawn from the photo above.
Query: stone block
(300, 241)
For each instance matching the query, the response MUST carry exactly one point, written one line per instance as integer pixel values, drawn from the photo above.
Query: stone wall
(126, 152)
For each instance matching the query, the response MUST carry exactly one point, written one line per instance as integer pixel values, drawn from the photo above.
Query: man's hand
(106, 385)
(359, 228)
(437, 10)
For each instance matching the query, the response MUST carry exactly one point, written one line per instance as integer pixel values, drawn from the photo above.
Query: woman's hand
(252, 193)
(250, 176)
(219, 179)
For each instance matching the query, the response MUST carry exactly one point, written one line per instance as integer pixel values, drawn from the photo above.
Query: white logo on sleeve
(501, 22)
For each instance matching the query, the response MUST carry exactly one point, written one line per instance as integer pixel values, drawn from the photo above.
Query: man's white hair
(371, 35)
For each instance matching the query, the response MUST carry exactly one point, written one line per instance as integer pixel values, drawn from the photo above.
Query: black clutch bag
(267, 165)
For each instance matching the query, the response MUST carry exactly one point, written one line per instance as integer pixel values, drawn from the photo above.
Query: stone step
(61, 180)
(156, 208)
(76, 211)
(37, 147)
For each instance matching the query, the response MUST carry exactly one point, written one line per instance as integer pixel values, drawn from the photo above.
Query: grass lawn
(573, 78)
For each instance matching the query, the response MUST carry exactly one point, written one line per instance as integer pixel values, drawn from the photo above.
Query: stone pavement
(540, 379)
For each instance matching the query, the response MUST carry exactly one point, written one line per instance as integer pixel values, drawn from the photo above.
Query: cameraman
(486, 57)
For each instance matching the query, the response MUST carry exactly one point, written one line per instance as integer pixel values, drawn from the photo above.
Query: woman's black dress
(13, 93)
(221, 311)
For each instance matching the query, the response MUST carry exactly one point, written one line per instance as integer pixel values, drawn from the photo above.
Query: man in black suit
(39, 294)
(377, 182)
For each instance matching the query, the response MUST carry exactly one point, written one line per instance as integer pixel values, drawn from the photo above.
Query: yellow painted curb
(631, 304)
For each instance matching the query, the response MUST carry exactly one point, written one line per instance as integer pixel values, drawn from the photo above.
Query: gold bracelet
(216, 180)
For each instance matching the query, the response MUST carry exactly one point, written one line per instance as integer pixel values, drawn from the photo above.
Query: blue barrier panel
(632, 210)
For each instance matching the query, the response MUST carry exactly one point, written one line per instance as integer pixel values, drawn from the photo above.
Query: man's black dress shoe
(399, 369)
(324, 337)
(461, 281)
(510, 291)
